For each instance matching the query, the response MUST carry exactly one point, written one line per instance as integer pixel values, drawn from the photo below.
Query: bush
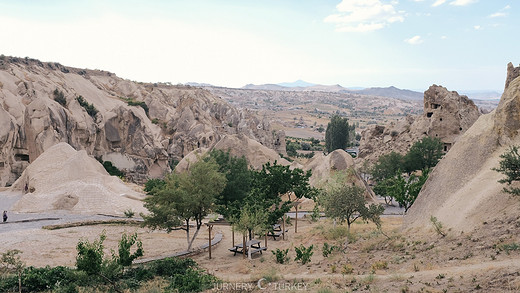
(129, 213)
(132, 102)
(439, 228)
(112, 170)
(328, 249)
(90, 255)
(60, 97)
(155, 121)
(193, 280)
(125, 258)
(91, 110)
(48, 278)
(510, 166)
(281, 255)
(154, 184)
(303, 253)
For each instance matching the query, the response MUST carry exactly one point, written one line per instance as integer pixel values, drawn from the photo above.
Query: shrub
(281, 255)
(437, 226)
(129, 213)
(91, 110)
(510, 166)
(379, 265)
(60, 97)
(112, 170)
(328, 249)
(303, 253)
(90, 255)
(347, 269)
(125, 257)
(192, 280)
(153, 184)
(48, 278)
(155, 121)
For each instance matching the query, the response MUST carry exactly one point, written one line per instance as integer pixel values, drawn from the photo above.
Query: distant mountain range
(390, 92)
(300, 85)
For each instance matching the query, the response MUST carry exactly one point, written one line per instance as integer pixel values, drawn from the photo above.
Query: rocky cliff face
(177, 120)
(447, 115)
(463, 190)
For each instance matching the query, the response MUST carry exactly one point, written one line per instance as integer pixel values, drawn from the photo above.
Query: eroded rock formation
(463, 191)
(447, 115)
(177, 120)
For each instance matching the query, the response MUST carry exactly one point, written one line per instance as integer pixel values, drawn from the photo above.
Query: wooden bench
(258, 249)
(275, 234)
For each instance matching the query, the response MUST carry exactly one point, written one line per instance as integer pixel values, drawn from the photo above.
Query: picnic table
(277, 231)
(254, 244)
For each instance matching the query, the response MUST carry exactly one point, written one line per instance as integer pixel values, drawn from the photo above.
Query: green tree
(423, 154)
(252, 218)
(11, 262)
(125, 257)
(348, 203)
(187, 196)
(337, 134)
(275, 180)
(238, 183)
(510, 166)
(405, 191)
(90, 255)
(387, 166)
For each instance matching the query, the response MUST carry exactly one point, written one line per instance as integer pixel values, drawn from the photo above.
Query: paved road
(24, 221)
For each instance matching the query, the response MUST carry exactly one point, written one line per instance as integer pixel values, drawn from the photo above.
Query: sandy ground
(43, 247)
(405, 261)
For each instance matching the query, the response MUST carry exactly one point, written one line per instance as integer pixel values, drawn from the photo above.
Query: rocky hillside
(141, 128)
(462, 191)
(447, 115)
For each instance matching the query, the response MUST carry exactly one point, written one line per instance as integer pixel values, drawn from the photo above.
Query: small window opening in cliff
(2, 165)
(435, 106)
(21, 157)
(447, 147)
(440, 119)
(429, 114)
(460, 128)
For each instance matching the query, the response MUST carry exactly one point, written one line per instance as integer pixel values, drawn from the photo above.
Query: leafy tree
(186, 196)
(153, 185)
(90, 255)
(337, 133)
(291, 148)
(252, 218)
(11, 262)
(424, 154)
(510, 166)
(275, 180)
(406, 191)
(348, 203)
(387, 166)
(125, 257)
(238, 183)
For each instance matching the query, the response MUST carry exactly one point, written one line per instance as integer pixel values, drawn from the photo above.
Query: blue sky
(460, 44)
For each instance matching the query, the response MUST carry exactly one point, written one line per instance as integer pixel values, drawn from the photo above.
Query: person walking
(5, 216)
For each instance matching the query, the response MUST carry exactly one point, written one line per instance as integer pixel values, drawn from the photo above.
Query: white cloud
(438, 3)
(444, 37)
(477, 27)
(462, 2)
(501, 13)
(364, 15)
(498, 14)
(415, 40)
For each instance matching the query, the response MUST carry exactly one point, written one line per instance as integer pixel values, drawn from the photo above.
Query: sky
(411, 44)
